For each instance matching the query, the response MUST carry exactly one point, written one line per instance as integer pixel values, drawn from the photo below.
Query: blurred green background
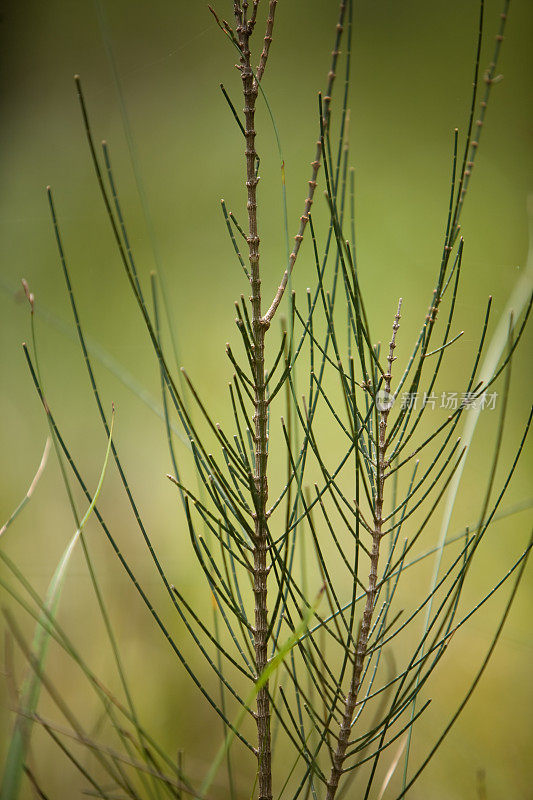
(412, 73)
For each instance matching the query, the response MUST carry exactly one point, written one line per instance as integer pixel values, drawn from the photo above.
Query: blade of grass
(33, 484)
(31, 690)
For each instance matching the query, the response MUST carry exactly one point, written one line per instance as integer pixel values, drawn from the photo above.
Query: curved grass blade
(31, 489)
(18, 748)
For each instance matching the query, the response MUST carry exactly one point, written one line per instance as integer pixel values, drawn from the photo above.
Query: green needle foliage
(321, 645)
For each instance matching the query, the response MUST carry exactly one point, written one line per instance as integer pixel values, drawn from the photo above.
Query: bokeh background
(412, 73)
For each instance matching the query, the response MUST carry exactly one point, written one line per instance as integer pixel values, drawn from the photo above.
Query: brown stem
(366, 622)
(260, 324)
(267, 40)
(259, 328)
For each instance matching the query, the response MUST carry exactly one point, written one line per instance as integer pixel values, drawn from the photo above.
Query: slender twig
(315, 164)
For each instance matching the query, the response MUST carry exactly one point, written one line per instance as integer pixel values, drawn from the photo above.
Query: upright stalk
(244, 29)
(366, 622)
(245, 20)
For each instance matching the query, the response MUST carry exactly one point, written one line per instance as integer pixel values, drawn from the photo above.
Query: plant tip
(29, 295)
